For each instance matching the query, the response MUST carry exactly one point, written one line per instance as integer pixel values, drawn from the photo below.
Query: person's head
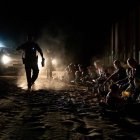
(131, 62)
(117, 64)
(113, 88)
(81, 68)
(71, 66)
(97, 64)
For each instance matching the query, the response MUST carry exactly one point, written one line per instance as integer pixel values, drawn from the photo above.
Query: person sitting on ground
(135, 67)
(71, 72)
(78, 75)
(113, 99)
(127, 83)
(119, 73)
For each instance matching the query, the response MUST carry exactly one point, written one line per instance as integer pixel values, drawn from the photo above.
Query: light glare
(5, 59)
(54, 62)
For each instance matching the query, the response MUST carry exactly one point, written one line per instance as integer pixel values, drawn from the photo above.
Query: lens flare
(6, 59)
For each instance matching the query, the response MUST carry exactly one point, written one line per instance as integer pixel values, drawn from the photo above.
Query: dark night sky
(85, 24)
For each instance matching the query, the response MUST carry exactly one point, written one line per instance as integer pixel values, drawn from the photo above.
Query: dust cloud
(55, 44)
(43, 82)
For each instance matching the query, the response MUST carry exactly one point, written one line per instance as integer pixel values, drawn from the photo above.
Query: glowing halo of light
(54, 62)
(125, 93)
(5, 59)
(2, 45)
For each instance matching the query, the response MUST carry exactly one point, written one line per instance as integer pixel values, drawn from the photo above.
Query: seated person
(119, 73)
(113, 99)
(128, 82)
(135, 67)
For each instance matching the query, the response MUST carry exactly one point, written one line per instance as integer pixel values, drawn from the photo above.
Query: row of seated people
(118, 84)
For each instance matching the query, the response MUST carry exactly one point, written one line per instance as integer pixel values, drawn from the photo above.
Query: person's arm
(110, 77)
(41, 53)
(123, 80)
(39, 50)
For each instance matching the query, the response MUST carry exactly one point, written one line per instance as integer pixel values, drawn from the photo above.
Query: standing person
(30, 59)
(49, 64)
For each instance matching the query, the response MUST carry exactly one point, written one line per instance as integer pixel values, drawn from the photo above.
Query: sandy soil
(57, 111)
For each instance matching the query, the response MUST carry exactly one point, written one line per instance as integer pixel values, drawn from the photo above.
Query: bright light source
(5, 59)
(2, 45)
(54, 62)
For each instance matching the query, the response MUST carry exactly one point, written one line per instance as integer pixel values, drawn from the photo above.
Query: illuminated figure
(49, 65)
(135, 69)
(119, 73)
(113, 98)
(30, 59)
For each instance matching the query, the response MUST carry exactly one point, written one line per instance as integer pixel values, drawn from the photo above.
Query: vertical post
(137, 34)
(116, 41)
(112, 43)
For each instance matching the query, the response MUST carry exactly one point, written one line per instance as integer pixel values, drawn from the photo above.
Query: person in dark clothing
(119, 73)
(30, 59)
(113, 98)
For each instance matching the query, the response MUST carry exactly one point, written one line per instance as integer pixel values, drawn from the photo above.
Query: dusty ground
(57, 111)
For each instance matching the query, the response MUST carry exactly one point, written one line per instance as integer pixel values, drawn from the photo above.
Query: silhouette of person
(30, 59)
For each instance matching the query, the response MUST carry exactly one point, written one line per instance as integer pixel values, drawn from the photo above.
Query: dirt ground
(57, 111)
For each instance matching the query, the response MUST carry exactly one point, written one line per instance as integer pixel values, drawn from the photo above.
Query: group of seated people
(115, 85)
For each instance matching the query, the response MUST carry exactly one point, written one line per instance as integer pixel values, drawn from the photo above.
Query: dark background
(85, 25)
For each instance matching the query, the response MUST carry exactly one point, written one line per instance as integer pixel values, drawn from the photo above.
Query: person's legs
(50, 73)
(35, 73)
(28, 75)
